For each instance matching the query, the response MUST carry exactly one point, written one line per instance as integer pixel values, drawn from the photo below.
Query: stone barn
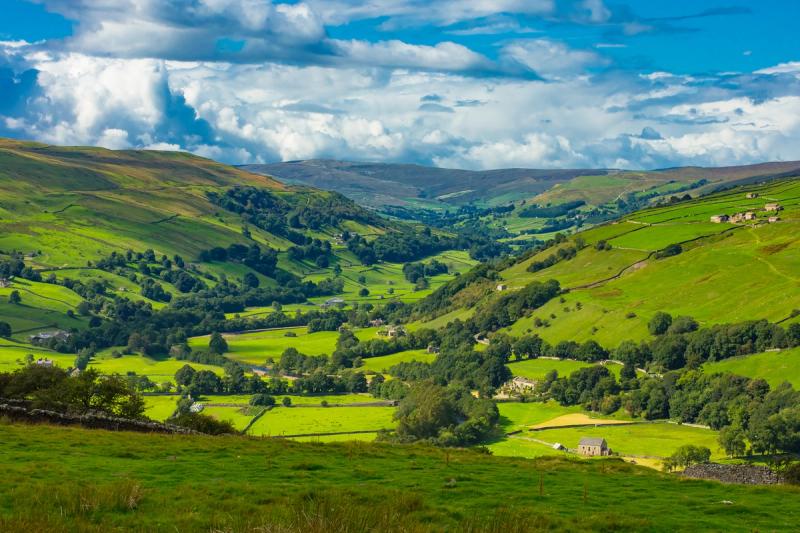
(593, 446)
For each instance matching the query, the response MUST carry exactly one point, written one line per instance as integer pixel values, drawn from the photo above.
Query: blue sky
(462, 83)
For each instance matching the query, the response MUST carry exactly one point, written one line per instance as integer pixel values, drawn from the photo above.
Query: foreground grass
(68, 479)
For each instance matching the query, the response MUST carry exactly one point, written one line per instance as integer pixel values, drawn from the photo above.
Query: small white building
(502, 287)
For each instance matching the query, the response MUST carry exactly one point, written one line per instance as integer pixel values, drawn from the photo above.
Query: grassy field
(160, 407)
(774, 367)
(158, 370)
(303, 420)
(238, 416)
(256, 347)
(374, 365)
(99, 481)
(13, 356)
(657, 440)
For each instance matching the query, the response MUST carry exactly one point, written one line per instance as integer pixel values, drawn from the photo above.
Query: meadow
(774, 367)
(382, 364)
(103, 480)
(647, 440)
(304, 420)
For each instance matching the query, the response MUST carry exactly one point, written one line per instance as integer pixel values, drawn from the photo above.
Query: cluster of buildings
(44, 336)
(749, 216)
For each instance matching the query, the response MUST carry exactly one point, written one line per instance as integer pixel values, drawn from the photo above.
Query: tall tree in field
(217, 344)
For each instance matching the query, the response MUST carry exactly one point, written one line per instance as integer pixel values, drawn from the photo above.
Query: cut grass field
(306, 420)
(13, 356)
(99, 481)
(160, 407)
(774, 367)
(375, 365)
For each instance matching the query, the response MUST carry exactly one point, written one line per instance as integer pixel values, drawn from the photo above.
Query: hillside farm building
(47, 335)
(502, 287)
(593, 446)
(739, 217)
(4, 283)
(752, 195)
(719, 219)
(773, 207)
(773, 219)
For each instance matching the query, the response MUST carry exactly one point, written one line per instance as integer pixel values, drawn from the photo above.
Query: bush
(660, 323)
(264, 400)
(203, 424)
(287, 402)
(669, 251)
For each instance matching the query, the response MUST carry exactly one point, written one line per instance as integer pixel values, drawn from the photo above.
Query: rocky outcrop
(19, 413)
(742, 474)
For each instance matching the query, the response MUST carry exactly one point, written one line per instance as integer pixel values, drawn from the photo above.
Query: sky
(472, 84)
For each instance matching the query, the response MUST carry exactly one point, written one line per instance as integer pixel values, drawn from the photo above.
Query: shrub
(203, 424)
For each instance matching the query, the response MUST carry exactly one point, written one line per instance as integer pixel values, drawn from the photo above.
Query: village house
(44, 362)
(5, 283)
(502, 287)
(719, 219)
(593, 446)
(752, 195)
(376, 323)
(773, 219)
(740, 217)
(432, 348)
(392, 332)
(773, 207)
(331, 302)
(47, 335)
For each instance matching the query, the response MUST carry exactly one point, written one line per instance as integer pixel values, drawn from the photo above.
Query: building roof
(592, 441)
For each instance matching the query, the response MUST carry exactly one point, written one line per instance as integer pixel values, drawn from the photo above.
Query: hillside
(382, 184)
(101, 480)
(724, 272)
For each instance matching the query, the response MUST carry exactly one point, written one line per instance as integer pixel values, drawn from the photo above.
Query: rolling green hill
(725, 273)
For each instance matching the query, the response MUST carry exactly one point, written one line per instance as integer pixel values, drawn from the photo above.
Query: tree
(287, 402)
(264, 400)
(14, 298)
(660, 323)
(363, 292)
(185, 375)
(687, 455)
(250, 280)
(683, 324)
(731, 438)
(5, 329)
(217, 344)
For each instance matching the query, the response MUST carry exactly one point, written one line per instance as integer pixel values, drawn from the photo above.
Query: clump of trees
(445, 416)
(55, 389)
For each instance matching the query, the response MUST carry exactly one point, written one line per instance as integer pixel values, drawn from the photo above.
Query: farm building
(752, 195)
(4, 283)
(739, 217)
(44, 362)
(773, 219)
(432, 348)
(773, 207)
(502, 287)
(392, 332)
(593, 446)
(331, 302)
(376, 323)
(47, 335)
(719, 219)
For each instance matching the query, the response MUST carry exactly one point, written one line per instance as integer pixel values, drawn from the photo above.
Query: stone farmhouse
(719, 219)
(740, 217)
(752, 195)
(773, 207)
(593, 446)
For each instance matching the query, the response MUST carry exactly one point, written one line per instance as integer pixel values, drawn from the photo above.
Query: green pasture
(374, 365)
(517, 415)
(158, 370)
(160, 407)
(13, 355)
(654, 440)
(238, 416)
(302, 420)
(774, 367)
(536, 369)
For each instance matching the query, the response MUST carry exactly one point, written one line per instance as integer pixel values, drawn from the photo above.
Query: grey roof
(592, 441)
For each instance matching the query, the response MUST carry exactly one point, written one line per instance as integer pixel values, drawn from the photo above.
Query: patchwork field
(375, 365)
